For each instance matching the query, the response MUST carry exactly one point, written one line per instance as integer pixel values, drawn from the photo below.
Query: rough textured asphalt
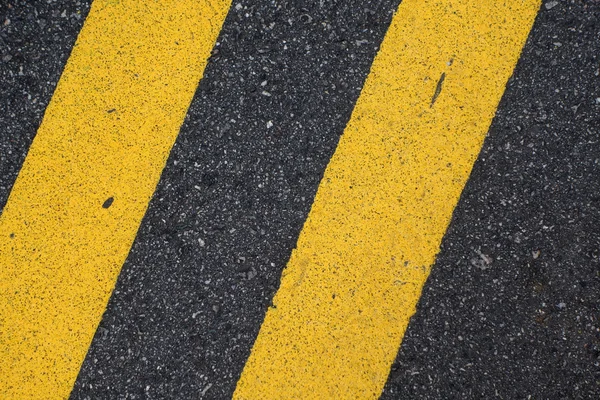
(511, 308)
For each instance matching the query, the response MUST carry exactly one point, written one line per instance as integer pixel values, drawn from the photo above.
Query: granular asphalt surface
(510, 309)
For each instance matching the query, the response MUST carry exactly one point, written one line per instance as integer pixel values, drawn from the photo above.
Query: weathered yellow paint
(386, 199)
(106, 133)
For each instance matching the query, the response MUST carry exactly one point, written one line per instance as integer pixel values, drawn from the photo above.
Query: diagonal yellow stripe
(386, 199)
(76, 206)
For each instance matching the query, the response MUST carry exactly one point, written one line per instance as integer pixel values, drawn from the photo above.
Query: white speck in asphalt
(206, 389)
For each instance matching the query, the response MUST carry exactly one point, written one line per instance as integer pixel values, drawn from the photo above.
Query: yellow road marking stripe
(386, 199)
(105, 138)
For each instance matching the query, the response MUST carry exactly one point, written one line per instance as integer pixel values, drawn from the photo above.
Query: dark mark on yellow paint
(438, 89)
(108, 202)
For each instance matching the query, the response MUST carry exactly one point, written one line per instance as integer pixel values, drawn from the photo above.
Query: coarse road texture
(510, 309)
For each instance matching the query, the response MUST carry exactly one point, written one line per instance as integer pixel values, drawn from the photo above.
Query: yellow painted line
(386, 199)
(85, 185)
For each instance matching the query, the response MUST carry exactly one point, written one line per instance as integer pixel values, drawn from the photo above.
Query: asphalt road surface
(510, 309)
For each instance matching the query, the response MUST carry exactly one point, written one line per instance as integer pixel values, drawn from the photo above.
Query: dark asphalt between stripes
(511, 307)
